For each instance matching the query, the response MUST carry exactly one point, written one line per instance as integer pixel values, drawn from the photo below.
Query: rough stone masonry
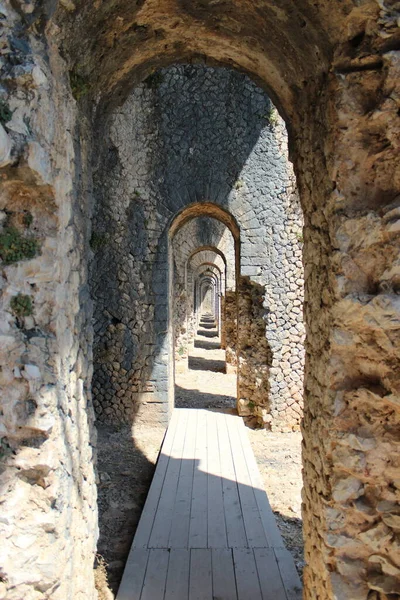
(187, 135)
(332, 68)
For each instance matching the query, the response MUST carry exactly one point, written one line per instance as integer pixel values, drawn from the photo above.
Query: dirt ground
(126, 468)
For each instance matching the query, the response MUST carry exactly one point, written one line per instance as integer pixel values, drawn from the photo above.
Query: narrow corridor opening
(204, 322)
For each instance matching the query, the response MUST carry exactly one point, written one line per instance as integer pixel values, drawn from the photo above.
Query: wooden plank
(156, 575)
(267, 516)
(198, 516)
(179, 535)
(269, 575)
(223, 574)
(143, 531)
(207, 485)
(216, 532)
(132, 581)
(235, 528)
(256, 537)
(177, 587)
(290, 578)
(163, 519)
(247, 583)
(200, 581)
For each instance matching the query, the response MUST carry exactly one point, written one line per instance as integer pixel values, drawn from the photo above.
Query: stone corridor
(160, 159)
(126, 472)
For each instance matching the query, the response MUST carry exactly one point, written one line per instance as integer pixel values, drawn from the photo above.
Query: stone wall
(254, 354)
(187, 135)
(351, 423)
(48, 524)
(231, 324)
(333, 67)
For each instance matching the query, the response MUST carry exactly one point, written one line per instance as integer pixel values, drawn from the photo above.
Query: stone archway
(214, 259)
(332, 69)
(189, 260)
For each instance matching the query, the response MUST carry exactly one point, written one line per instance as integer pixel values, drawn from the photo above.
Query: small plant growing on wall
(181, 351)
(5, 112)
(79, 86)
(251, 406)
(97, 241)
(21, 305)
(272, 117)
(27, 219)
(15, 247)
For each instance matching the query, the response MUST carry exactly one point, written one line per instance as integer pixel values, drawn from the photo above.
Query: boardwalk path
(207, 531)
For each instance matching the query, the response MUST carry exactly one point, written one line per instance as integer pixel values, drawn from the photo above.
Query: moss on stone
(5, 112)
(79, 85)
(97, 240)
(15, 247)
(27, 219)
(21, 305)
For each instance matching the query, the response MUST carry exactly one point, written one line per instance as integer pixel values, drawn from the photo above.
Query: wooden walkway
(207, 531)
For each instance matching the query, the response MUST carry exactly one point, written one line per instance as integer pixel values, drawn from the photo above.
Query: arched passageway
(133, 330)
(332, 69)
(204, 274)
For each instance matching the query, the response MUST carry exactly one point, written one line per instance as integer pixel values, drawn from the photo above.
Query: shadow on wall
(182, 140)
(210, 121)
(183, 137)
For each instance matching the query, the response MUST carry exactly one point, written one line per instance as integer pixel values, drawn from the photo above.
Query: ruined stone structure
(203, 248)
(81, 120)
(201, 138)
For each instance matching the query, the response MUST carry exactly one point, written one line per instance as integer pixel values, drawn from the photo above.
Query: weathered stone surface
(5, 148)
(333, 70)
(47, 494)
(186, 136)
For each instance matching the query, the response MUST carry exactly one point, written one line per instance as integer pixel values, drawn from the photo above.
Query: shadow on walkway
(196, 363)
(206, 345)
(185, 398)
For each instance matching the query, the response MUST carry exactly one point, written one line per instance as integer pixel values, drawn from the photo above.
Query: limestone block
(5, 147)
(346, 489)
(243, 407)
